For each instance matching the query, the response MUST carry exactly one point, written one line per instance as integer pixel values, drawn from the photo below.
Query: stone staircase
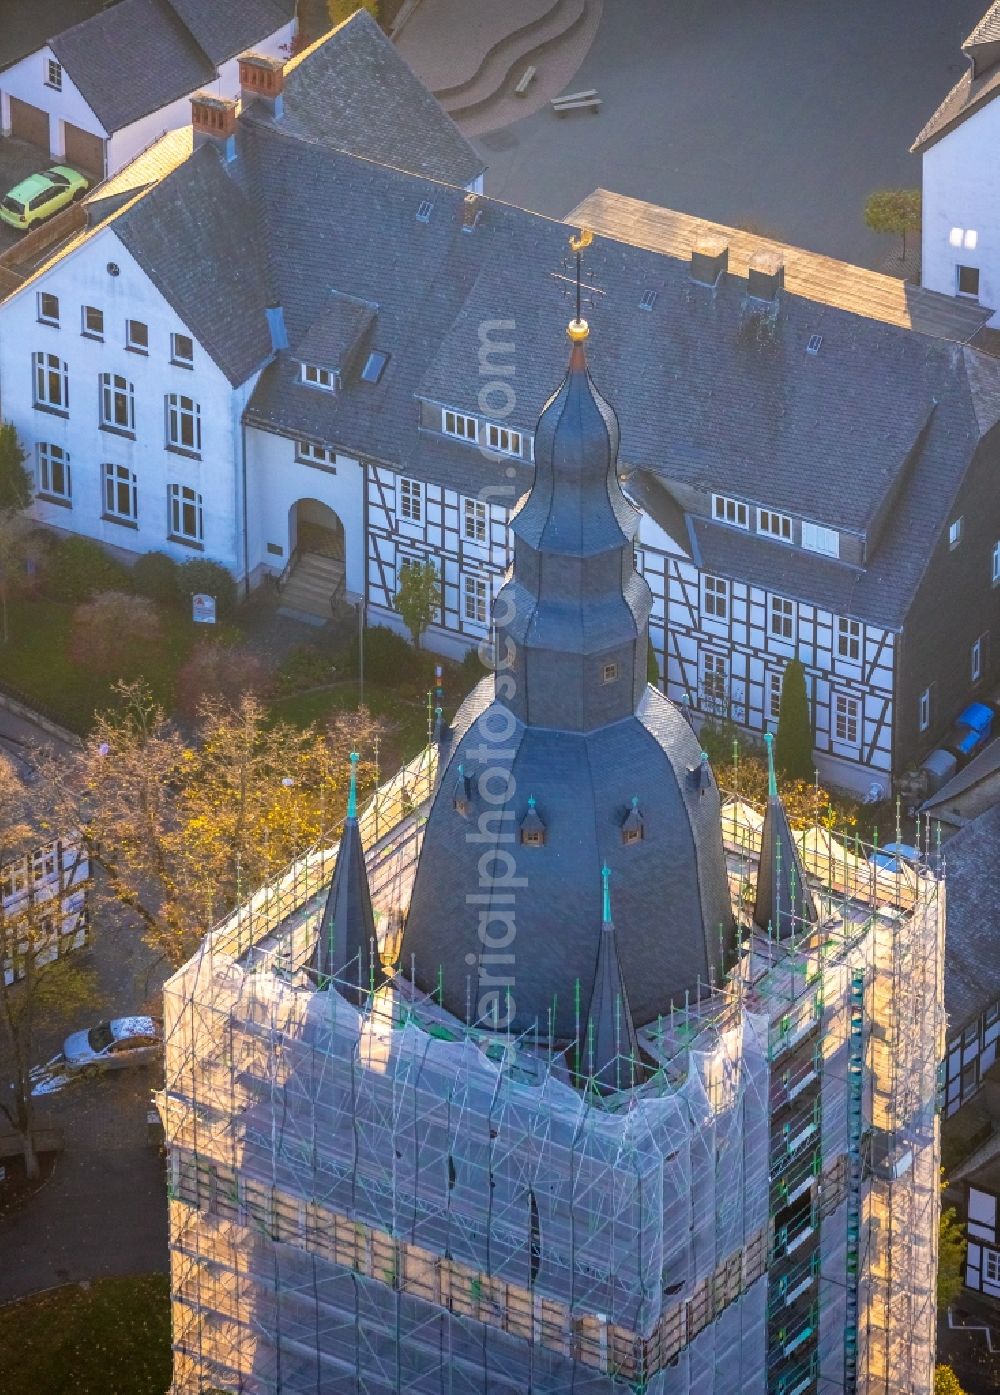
(313, 587)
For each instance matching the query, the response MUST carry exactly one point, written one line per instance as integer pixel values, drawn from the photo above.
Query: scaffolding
(395, 1200)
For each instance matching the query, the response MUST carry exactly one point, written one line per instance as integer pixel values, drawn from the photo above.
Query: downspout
(246, 535)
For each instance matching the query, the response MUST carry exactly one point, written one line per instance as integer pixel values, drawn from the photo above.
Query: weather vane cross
(577, 243)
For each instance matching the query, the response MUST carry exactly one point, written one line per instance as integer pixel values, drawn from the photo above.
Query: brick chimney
(262, 80)
(765, 275)
(213, 120)
(709, 259)
(472, 212)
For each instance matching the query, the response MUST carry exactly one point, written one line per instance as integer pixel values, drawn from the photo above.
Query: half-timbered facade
(51, 886)
(813, 446)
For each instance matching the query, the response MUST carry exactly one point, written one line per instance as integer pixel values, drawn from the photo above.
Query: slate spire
(610, 1042)
(346, 950)
(784, 902)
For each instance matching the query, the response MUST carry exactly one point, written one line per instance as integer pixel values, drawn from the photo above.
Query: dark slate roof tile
(972, 934)
(332, 340)
(224, 28)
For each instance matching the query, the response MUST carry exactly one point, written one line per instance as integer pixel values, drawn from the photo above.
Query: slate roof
(131, 60)
(972, 928)
(224, 28)
(977, 86)
(354, 90)
(331, 341)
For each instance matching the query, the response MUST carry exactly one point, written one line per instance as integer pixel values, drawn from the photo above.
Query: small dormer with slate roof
(331, 349)
(532, 826)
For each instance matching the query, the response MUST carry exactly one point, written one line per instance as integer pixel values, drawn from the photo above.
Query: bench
(527, 78)
(585, 104)
(583, 96)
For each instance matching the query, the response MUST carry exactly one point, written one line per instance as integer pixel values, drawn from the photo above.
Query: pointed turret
(610, 1043)
(346, 952)
(784, 902)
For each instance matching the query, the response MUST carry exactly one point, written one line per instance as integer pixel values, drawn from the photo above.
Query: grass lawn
(36, 665)
(112, 1338)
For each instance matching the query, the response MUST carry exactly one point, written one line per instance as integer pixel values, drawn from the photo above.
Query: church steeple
(346, 953)
(784, 903)
(578, 610)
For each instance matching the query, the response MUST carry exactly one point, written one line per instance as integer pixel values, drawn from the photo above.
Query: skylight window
(815, 344)
(648, 300)
(374, 366)
(424, 211)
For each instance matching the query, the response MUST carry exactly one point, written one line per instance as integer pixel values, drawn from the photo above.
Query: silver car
(124, 1041)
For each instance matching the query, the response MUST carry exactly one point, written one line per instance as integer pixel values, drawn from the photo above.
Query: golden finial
(578, 328)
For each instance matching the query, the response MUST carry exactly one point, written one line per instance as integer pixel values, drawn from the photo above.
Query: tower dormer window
(532, 826)
(633, 827)
(610, 673)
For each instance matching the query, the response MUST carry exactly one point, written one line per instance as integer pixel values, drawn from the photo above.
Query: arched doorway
(314, 584)
(315, 528)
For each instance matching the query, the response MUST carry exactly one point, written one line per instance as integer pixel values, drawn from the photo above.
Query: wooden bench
(527, 78)
(583, 96)
(585, 104)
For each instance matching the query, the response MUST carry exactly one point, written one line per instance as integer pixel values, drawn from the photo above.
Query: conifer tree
(793, 742)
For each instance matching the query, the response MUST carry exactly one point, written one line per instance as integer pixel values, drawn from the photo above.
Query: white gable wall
(961, 189)
(26, 81)
(83, 279)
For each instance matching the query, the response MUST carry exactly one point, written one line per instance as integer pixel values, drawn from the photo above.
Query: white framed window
(609, 673)
(924, 709)
(455, 424)
(774, 695)
(48, 308)
(51, 379)
(849, 639)
(775, 525)
(474, 599)
(715, 597)
(967, 281)
(474, 520)
(312, 453)
(182, 350)
(502, 439)
(846, 719)
(14, 879)
(183, 423)
(976, 655)
(44, 862)
(991, 1266)
(964, 237)
(121, 492)
(53, 471)
(92, 322)
(186, 513)
(53, 74)
(714, 683)
(996, 564)
(730, 511)
(117, 403)
(782, 618)
(137, 336)
(823, 540)
(322, 378)
(411, 500)
(955, 532)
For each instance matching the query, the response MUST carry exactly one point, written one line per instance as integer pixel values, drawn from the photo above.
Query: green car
(40, 195)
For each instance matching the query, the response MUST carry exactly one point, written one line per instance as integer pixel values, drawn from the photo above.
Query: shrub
(111, 631)
(389, 660)
(15, 482)
(155, 575)
(80, 568)
(306, 668)
(418, 597)
(223, 671)
(200, 577)
(946, 1382)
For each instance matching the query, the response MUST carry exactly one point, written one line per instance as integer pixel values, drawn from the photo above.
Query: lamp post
(361, 652)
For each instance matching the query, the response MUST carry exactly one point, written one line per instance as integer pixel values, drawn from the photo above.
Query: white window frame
(186, 513)
(460, 426)
(475, 521)
(976, 659)
(847, 717)
(996, 564)
(118, 481)
(53, 74)
(967, 295)
(849, 639)
(47, 368)
(176, 357)
(715, 596)
(52, 458)
(85, 328)
(323, 379)
(733, 512)
(781, 619)
(136, 345)
(825, 541)
(47, 316)
(475, 598)
(411, 500)
(183, 421)
(775, 678)
(774, 525)
(312, 453)
(117, 390)
(714, 667)
(924, 710)
(955, 530)
(503, 439)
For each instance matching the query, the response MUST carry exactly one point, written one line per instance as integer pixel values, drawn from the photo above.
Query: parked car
(41, 195)
(124, 1041)
(971, 730)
